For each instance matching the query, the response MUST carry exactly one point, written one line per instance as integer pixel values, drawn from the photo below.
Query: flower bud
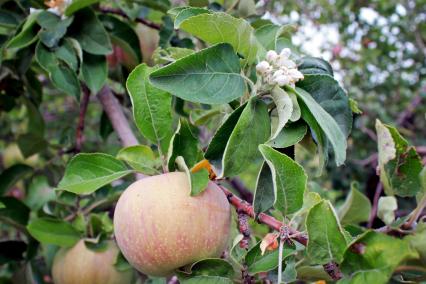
(271, 56)
(295, 74)
(282, 80)
(285, 62)
(263, 67)
(285, 52)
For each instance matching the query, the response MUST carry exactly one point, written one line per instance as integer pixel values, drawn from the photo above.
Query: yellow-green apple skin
(159, 227)
(84, 266)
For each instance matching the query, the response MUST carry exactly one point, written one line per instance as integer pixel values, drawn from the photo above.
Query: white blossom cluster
(279, 69)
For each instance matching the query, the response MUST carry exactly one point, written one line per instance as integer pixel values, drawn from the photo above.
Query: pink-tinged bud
(287, 63)
(271, 56)
(285, 52)
(263, 67)
(282, 80)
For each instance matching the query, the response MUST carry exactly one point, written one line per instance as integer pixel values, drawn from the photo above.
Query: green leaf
(290, 135)
(124, 36)
(313, 65)
(333, 99)
(53, 231)
(61, 75)
(31, 143)
(141, 158)
(210, 76)
(212, 267)
(65, 79)
(151, 107)
(39, 193)
(187, 13)
(252, 129)
(94, 71)
(381, 256)
(399, 163)
(184, 143)
(386, 209)
(290, 273)
(68, 54)
(221, 27)
(264, 196)
(284, 109)
(313, 112)
(216, 148)
(86, 173)
(90, 33)
(326, 239)
(8, 19)
(170, 54)
(417, 241)
(27, 34)
(268, 35)
(257, 262)
(78, 5)
(121, 264)
(14, 212)
(356, 209)
(289, 180)
(53, 28)
(198, 180)
(10, 176)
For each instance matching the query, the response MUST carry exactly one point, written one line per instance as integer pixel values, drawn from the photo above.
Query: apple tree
(177, 142)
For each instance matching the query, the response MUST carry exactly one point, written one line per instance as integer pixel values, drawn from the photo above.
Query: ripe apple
(84, 266)
(159, 227)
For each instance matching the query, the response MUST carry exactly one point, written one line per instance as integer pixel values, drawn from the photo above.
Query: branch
(409, 110)
(79, 134)
(116, 116)
(109, 10)
(242, 206)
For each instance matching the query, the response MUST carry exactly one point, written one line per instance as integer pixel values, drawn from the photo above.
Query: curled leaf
(269, 243)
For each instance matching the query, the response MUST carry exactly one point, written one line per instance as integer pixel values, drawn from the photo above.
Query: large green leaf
(399, 163)
(326, 123)
(53, 231)
(289, 180)
(382, 254)
(53, 28)
(185, 144)
(61, 74)
(290, 135)
(94, 71)
(90, 33)
(252, 129)
(27, 34)
(219, 141)
(264, 195)
(141, 158)
(14, 212)
(211, 267)
(78, 5)
(257, 262)
(187, 13)
(151, 107)
(283, 109)
(326, 238)
(31, 143)
(268, 35)
(10, 176)
(86, 173)
(356, 209)
(313, 65)
(210, 76)
(332, 98)
(221, 27)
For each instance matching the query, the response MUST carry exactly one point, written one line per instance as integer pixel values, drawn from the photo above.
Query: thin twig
(79, 134)
(122, 14)
(243, 191)
(416, 213)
